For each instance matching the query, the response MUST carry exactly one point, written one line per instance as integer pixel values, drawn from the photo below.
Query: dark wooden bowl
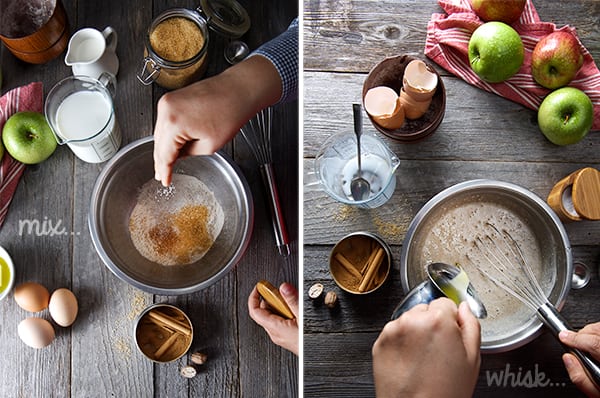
(390, 72)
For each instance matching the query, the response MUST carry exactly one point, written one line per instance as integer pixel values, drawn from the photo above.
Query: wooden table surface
(96, 357)
(481, 136)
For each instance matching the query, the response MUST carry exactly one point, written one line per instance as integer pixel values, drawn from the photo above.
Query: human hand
(437, 342)
(283, 332)
(588, 340)
(201, 118)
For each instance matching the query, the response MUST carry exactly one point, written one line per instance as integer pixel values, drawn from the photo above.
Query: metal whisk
(257, 133)
(510, 271)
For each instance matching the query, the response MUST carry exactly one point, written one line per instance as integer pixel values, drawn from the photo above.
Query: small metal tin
(163, 333)
(581, 275)
(360, 247)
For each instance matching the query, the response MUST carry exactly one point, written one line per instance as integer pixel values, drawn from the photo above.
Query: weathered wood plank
(38, 255)
(476, 124)
(417, 181)
(352, 36)
(97, 355)
(482, 136)
(340, 365)
(337, 343)
(277, 376)
(106, 336)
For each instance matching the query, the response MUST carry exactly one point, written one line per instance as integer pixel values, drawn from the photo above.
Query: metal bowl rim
(536, 328)
(93, 223)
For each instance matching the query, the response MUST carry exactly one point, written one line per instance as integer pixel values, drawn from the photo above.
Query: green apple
(566, 115)
(556, 59)
(507, 11)
(495, 52)
(27, 137)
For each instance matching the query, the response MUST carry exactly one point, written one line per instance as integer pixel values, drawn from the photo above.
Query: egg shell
(36, 332)
(413, 109)
(419, 81)
(383, 105)
(63, 307)
(32, 296)
(380, 101)
(393, 121)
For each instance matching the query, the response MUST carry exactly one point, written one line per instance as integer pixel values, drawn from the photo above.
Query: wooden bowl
(390, 72)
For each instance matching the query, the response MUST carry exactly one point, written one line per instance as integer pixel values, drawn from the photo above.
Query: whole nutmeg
(315, 292)
(199, 358)
(331, 299)
(188, 371)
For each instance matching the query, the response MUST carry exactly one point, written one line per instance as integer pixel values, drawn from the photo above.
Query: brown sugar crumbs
(176, 39)
(182, 234)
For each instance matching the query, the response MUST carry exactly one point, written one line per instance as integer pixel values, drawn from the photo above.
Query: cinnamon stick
(166, 345)
(166, 321)
(371, 268)
(348, 266)
(369, 261)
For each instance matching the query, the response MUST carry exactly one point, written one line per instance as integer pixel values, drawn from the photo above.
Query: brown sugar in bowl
(390, 73)
(360, 262)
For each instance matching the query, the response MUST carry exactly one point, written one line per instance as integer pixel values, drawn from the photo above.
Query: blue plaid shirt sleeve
(282, 51)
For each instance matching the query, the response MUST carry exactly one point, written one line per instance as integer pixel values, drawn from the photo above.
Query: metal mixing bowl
(115, 194)
(537, 217)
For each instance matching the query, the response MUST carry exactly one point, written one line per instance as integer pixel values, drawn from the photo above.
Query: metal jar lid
(226, 17)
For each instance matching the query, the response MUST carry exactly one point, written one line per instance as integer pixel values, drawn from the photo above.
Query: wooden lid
(586, 193)
(271, 295)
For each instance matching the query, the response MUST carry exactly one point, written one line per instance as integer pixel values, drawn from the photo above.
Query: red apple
(507, 11)
(556, 59)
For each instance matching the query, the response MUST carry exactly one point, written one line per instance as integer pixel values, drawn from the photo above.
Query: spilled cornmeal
(176, 225)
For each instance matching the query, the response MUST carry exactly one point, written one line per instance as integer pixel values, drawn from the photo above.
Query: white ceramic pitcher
(91, 52)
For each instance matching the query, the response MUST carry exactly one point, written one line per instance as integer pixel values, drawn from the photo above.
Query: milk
(86, 122)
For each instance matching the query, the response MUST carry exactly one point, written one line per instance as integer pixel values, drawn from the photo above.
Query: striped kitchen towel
(26, 98)
(447, 44)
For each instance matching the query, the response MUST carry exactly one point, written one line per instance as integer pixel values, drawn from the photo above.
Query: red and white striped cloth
(448, 40)
(26, 98)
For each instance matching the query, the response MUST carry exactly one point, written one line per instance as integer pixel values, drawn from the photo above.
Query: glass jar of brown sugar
(176, 47)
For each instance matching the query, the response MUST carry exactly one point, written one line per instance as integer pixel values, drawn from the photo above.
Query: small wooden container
(360, 262)
(163, 333)
(45, 44)
(577, 196)
(390, 72)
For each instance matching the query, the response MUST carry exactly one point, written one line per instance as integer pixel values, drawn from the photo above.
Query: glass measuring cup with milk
(81, 114)
(336, 165)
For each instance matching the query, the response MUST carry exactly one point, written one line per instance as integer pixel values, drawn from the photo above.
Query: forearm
(256, 82)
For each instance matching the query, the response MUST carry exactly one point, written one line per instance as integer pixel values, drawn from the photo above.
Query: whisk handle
(281, 235)
(557, 323)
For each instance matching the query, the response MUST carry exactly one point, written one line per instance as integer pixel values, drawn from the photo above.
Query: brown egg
(36, 332)
(32, 296)
(63, 307)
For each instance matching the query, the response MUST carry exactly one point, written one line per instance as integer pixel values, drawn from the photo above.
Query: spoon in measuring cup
(359, 187)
